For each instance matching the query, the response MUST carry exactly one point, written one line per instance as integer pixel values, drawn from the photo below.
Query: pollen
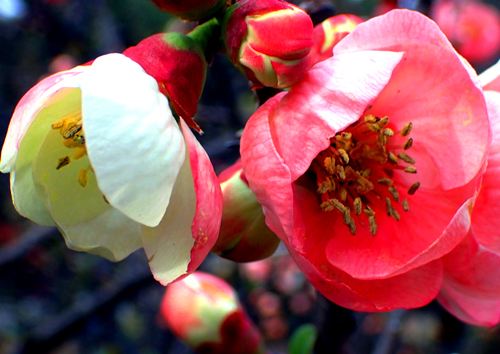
(82, 177)
(63, 161)
(360, 171)
(71, 129)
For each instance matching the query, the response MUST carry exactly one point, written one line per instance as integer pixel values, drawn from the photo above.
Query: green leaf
(303, 339)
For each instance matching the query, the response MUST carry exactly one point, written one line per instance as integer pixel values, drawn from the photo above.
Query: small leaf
(303, 339)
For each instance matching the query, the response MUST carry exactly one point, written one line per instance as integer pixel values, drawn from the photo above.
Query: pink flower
(336, 163)
(471, 286)
(204, 312)
(97, 152)
(473, 28)
(269, 40)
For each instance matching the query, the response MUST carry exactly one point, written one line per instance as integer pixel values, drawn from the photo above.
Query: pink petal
(432, 88)
(207, 218)
(431, 228)
(29, 106)
(471, 286)
(485, 216)
(189, 229)
(266, 168)
(412, 289)
(333, 95)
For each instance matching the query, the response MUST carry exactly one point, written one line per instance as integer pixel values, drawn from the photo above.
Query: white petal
(86, 221)
(24, 196)
(490, 74)
(133, 142)
(168, 246)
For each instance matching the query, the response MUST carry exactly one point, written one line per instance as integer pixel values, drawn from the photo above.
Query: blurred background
(54, 300)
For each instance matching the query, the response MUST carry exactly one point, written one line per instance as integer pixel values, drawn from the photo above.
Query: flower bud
(193, 10)
(269, 40)
(204, 312)
(244, 235)
(177, 62)
(473, 27)
(329, 32)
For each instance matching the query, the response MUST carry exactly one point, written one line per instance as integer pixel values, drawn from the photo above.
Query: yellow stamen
(63, 161)
(413, 188)
(406, 158)
(388, 132)
(410, 169)
(406, 129)
(385, 181)
(80, 152)
(394, 193)
(357, 205)
(406, 207)
(393, 159)
(408, 144)
(82, 177)
(360, 169)
(344, 156)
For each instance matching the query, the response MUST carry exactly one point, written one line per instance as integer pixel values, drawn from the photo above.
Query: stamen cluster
(356, 171)
(70, 128)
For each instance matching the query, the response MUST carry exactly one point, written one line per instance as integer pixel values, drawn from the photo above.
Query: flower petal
(414, 288)
(24, 196)
(490, 79)
(133, 142)
(418, 238)
(189, 229)
(169, 245)
(44, 93)
(267, 174)
(208, 215)
(485, 216)
(327, 103)
(471, 286)
(423, 90)
(84, 218)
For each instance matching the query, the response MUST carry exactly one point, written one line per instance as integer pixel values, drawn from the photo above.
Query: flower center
(356, 171)
(70, 128)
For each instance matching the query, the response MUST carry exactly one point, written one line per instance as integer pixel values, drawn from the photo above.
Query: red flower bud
(244, 235)
(329, 32)
(193, 10)
(204, 312)
(269, 40)
(178, 64)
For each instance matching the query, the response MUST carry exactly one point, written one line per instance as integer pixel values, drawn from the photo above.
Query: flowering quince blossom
(204, 312)
(368, 168)
(97, 152)
(471, 286)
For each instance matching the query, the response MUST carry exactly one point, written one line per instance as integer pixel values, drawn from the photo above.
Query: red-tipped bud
(193, 10)
(329, 32)
(244, 235)
(204, 312)
(269, 40)
(177, 62)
